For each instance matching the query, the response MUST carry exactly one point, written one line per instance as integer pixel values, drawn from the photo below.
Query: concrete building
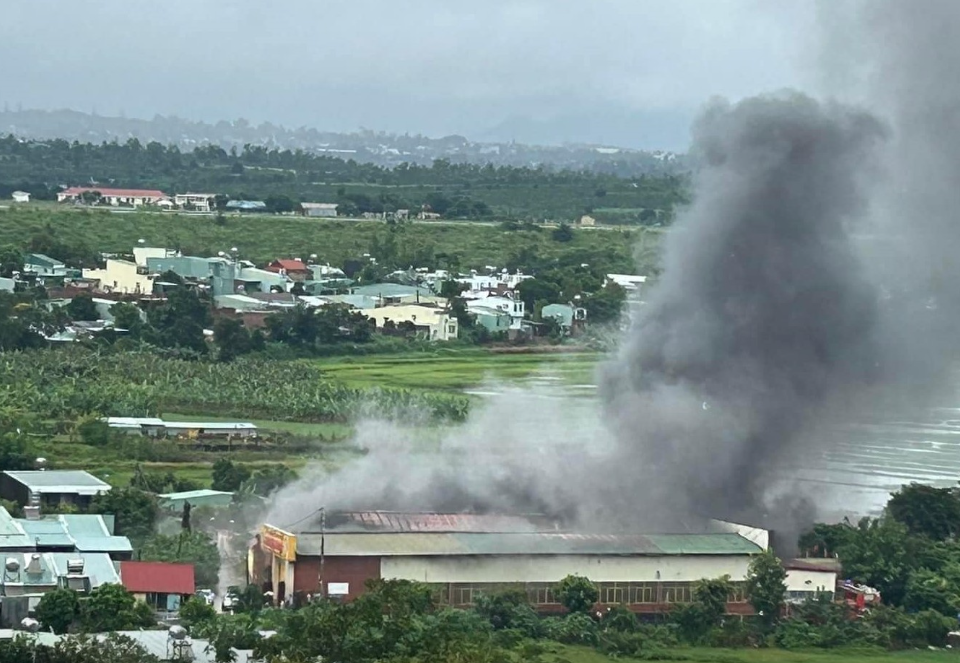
(512, 307)
(629, 282)
(50, 487)
(811, 578)
(494, 320)
(20, 197)
(571, 318)
(186, 267)
(28, 576)
(297, 270)
(115, 197)
(319, 209)
(434, 324)
(122, 276)
(463, 555)
(197, 202)
(387, 294)
(158, 427)
(142, 254)
(43, 265)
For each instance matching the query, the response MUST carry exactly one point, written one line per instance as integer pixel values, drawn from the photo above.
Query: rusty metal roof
(375, 544)
(392, 521)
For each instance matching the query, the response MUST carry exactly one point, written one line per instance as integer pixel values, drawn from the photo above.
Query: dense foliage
(71, 382)
(456, 190)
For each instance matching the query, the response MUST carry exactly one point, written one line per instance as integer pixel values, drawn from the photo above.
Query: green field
(463, 245)
(559, 653)
(458, 371)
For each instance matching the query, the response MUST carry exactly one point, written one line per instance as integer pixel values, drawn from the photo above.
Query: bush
(574, 629)
(509, 609)
(576, 594)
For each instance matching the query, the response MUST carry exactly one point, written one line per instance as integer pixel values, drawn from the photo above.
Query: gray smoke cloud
(811, 281)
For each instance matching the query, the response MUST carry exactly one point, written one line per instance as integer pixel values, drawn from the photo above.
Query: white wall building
(514, 307)
(122, 276)
(199, 202)
(20, 197)
(435, 323)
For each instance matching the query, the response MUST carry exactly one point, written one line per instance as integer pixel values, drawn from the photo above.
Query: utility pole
(323, 525)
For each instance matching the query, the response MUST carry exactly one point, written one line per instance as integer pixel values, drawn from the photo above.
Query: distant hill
(363, 146)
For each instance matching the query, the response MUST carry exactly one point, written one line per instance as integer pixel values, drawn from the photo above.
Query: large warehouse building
(466, 554)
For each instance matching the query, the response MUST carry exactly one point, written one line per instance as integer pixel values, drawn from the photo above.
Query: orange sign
(281, 544)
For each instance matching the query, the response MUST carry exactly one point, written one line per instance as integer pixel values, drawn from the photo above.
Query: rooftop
(75, 482)
(83, 532)
(158, 577)
(319, 205)
(394, 521)
(121, 193)
(194, 494)
(522, 543)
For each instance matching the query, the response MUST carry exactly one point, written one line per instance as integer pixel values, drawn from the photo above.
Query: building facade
(114, 197)
(197, 202)
(319, 209)
(465, 556)
(122, 276)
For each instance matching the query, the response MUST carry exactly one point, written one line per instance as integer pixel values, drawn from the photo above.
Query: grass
(457, 371)
(559, 653)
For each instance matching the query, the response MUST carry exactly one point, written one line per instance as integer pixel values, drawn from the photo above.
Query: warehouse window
(539, 593)
(676, 592)
(642, 592)
(612, 593)
(738, 593)
(463, 594)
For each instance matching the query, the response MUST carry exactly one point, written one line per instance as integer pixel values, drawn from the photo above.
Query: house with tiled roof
(295, 269)
(114, 197)
(161, 585)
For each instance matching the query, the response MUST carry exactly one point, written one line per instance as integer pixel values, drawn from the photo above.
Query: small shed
(205, 497)
(319, 209)
(20, 197)
(161, 585)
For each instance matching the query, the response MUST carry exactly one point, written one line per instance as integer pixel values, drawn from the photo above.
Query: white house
(513, 307)
(143, 253)
(122, 276)
(319, 209)
(20, 197)
(435, 323)
(115, 197)
(200, 202)
(629, 282)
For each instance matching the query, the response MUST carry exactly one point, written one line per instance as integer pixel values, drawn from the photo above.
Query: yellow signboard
(281, 544)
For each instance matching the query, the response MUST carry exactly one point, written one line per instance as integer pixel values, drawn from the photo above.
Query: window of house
(643, 592)
(612, 592)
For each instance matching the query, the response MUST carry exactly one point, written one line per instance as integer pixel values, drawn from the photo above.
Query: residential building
(495, 283)
(122, 276)
(434, 324)
(811, 578)
(494, 320)
(629, 282)
(43, 265)
(571, 318)
(8, 285)
(465, 555)
(319, 209)
(396, 293)
(231, 278)
(186, 267)
(28, 576)
(204, 498)
(20, 197)
(39, 488)
(76, 533)
(142, 254)
(296, 269)
(115, 197)
(509, 305)
(197, 202)
(161, 585)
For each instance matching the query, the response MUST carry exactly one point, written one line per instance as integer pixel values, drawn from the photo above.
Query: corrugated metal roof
(391, 521)
(522, 543)
(60, 481)
(194, 494)
(160, 577)
(107, 544)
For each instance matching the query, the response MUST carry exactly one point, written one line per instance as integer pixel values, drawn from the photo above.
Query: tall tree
(927, 511)
(766, 588)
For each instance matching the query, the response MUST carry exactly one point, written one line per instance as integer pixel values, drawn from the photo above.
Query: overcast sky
(620, 71)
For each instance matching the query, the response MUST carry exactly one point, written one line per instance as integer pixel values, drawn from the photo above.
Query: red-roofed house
(116, 197)
(295, 269)
(161, 585)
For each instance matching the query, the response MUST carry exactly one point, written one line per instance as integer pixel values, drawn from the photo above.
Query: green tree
(112, 608)
(605, 304)
(196, 613)
(766, 588)
(58, 609)
(228, 476)
(136, 511)
(536, 290)
(231, 337)
(127, 316)
(576, 594)
(82, 308)
(563, 233)
(881, 553)
(195, 548)
(927, 511)
(508, 609)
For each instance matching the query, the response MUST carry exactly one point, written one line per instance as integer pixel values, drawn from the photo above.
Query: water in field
(856, 466)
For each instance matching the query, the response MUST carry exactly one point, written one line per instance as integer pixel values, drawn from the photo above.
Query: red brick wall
(353, 570)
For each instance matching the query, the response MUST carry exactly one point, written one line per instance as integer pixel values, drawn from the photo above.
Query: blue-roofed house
(27, 576)
(51, 487)
(75, 532)
(246, 206)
